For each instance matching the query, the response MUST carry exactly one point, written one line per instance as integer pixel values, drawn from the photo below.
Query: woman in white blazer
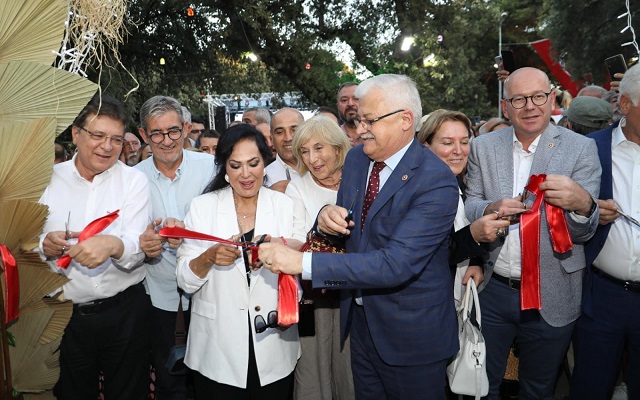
(234, 348)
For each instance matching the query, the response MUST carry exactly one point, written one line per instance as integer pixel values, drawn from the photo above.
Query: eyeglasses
(197, 131)
(101, 136)
(538, 99)
(262, 326)
(132, 143)
(158, 137)
(366, 123)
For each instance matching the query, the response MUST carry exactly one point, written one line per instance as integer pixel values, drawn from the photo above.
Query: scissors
(627, 216)
(349, 216)
(67, 232)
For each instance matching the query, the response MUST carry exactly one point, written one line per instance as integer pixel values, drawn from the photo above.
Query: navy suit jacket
(603, 142)
(592, 248)
(400, 259)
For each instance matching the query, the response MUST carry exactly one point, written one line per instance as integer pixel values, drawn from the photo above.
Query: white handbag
(467, 372)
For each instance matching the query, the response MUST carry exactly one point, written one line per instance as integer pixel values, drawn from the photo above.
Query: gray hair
(398, 90)
(262, 114)
(186, 114)
(324, 129)
(157, 106)
(599, 90)
(630, 84)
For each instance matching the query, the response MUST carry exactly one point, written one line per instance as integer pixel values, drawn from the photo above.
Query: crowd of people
(532, 207)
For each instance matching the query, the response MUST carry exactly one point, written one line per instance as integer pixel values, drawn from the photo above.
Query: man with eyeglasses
(533, 277)
(197, 128)
(397, 292)
(175, 177)
(108, 329)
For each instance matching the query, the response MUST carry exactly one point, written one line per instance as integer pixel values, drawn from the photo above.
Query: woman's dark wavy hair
(226, 144)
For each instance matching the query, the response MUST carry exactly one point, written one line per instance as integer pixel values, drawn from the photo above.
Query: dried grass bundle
(93, 28)
(31, 30)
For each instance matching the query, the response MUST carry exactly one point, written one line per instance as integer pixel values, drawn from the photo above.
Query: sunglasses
(260, 324)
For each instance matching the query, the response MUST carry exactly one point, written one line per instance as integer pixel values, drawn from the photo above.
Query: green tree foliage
(584, 33)
(206, 53)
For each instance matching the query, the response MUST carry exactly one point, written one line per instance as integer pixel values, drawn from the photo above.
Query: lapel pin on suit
(405, 177)
(550, 145)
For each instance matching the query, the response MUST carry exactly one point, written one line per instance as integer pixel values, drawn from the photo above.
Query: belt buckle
(514, 284)
(91, 308)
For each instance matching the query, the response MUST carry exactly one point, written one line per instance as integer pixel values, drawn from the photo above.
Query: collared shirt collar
(532, 146)
(393, 161)
(617, 136)
(101, 176)
(159, 174)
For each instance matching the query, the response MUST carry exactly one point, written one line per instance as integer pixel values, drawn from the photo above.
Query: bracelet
(284, 241)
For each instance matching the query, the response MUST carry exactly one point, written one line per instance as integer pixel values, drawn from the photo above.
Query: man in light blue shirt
(175, 177)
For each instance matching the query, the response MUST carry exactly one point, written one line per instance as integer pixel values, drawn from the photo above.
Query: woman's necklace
(245, 222)
(335, 186)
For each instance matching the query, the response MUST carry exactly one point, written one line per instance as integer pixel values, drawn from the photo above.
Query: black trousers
(163, 325)
(111, 337)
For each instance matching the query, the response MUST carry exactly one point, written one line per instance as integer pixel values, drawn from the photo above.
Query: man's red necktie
(372, 189)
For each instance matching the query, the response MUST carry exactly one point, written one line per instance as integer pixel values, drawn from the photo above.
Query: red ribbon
(11, 284)
(93, 228)
(182, 233)
(287, 284)
(287, 300)
(530, 242)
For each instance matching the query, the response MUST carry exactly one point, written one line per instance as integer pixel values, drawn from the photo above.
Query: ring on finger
(500, 232)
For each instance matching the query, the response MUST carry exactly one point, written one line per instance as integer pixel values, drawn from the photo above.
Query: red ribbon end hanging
(530, 243)
(11, 284)
(287, 300)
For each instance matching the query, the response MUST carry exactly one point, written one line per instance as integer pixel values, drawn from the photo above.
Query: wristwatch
(594, 205)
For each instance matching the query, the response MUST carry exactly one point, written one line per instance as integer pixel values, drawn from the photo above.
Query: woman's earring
(226, 178)
(264, 173)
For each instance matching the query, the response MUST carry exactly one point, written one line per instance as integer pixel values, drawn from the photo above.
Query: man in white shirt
(500, 165)
(283, 126)
(610, 323)
(108, 330)
(175, 177)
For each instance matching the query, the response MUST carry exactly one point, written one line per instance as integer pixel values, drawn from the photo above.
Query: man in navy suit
(398, 306)
(611, 296)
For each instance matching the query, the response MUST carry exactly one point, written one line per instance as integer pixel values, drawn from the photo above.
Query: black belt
(100, 305)
(512, 283)
(633, 286)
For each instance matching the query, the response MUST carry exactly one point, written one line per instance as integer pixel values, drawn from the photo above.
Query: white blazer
(223, 306)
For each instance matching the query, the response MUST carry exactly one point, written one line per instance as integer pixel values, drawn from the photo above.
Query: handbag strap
(470, 298)
(180, 332)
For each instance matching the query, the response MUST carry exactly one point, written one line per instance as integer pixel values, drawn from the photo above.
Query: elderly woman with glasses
(324, 370)
(447, 134)
(235, 346)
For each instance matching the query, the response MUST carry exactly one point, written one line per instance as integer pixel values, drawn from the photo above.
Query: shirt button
(257, 308)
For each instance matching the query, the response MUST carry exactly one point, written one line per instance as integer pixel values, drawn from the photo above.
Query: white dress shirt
(171, 198)
(509, 261)
(278, 171)
(620, 255)
(71, 196)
